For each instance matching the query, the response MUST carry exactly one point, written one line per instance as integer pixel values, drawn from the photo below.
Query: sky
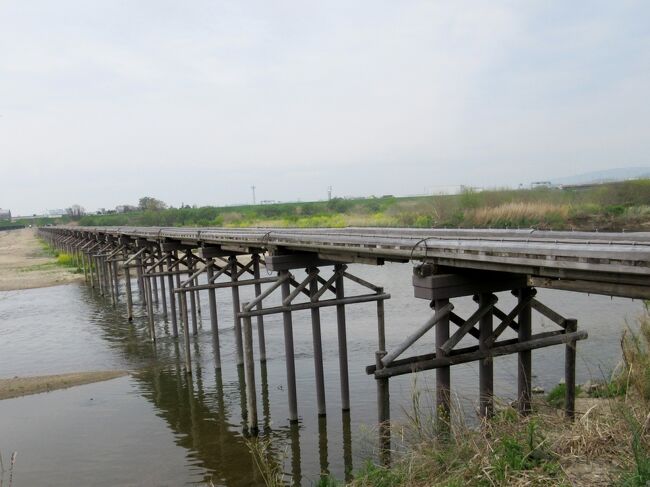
(103, 102)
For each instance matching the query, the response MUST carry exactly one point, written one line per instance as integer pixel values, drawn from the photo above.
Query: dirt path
(22, 386)
(25, 265)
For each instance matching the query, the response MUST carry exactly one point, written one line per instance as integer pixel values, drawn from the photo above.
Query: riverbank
(24, 263)
(620, 206)
(23, 386)
(607, 444)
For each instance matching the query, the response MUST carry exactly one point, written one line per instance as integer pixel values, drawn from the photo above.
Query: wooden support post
(296, 466)
(348, 466)
(83, 264)
(195, 282)
(249, 368)
(524, 371)
(98, 272)
(127, 285)
(214, 323)
(288, 353)
(318, 351)
(91, 271)
(163, 291)
(322, 451)
(241, 380)
(260, 319)
(116, 279)
(138, 270)
(154, 282)
(186, 332)
(172, 298)
(108, 282)
(570, 371)
(177, 285)
(383, 390)
(443, 374)
(109, 278)
(150, 318)
(485, 367)
(383, 412)
(190, 271)
(266, 403)
(235, 306)
(100, 276)
(342, 338)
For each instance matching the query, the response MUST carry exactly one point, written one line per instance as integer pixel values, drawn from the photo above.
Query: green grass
(639, 474)
(613, 206)
(62, 259)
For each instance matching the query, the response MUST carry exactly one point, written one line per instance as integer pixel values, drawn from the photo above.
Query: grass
(62, 259)
(608, 444)
(613, 206)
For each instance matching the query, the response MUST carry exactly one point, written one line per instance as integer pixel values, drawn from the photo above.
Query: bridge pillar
(154, 281)
(138, 270)
(127, 286)
(172, 298)
(524, 358)
(214, 322)
(570, 371)
(236, 307)
(260, 319)
(289, 351)
(342, 339)
(163, 290)
(443, 374)
(181, 314)
(249, 369)
(190, 270)
(486, 373)
(318, 347)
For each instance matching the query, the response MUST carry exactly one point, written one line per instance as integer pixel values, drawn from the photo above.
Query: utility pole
(253, 188)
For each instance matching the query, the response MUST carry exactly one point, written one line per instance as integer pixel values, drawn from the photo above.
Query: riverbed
(159, 427)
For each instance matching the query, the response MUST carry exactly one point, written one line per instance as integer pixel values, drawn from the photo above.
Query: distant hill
(608, 175)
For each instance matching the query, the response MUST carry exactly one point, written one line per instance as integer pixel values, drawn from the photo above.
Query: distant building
(541, 184)
(125, 208)
(55, 213)
(5, 214)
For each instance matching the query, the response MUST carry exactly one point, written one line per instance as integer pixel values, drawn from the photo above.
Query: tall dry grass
(608, 443)
(519, 214)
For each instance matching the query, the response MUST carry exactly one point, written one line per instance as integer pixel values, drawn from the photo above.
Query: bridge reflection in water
(208, 415)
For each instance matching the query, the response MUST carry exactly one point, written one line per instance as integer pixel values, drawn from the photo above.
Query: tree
(147, 203)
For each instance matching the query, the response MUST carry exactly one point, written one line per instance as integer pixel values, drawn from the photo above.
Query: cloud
(370, 97)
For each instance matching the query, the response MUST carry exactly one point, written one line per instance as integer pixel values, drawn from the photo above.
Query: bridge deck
(588, 257)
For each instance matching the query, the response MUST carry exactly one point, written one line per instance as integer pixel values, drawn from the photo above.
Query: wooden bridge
(450, 263)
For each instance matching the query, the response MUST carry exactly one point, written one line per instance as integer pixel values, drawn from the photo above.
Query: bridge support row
(154, 261)
(439, 288)
(167, 277)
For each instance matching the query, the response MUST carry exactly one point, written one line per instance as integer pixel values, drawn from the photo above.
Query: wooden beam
(464, 355)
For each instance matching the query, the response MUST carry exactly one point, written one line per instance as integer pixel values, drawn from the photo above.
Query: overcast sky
(102, 102)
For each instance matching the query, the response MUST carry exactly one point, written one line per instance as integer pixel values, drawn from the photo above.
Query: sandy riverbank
(25, 265)
(22, 386)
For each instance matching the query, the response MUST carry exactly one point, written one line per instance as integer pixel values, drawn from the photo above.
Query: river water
(157, 427)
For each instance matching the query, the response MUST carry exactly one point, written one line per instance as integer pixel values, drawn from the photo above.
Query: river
(157, 427)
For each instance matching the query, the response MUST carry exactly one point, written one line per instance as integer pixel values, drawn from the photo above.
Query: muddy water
(157, 427)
